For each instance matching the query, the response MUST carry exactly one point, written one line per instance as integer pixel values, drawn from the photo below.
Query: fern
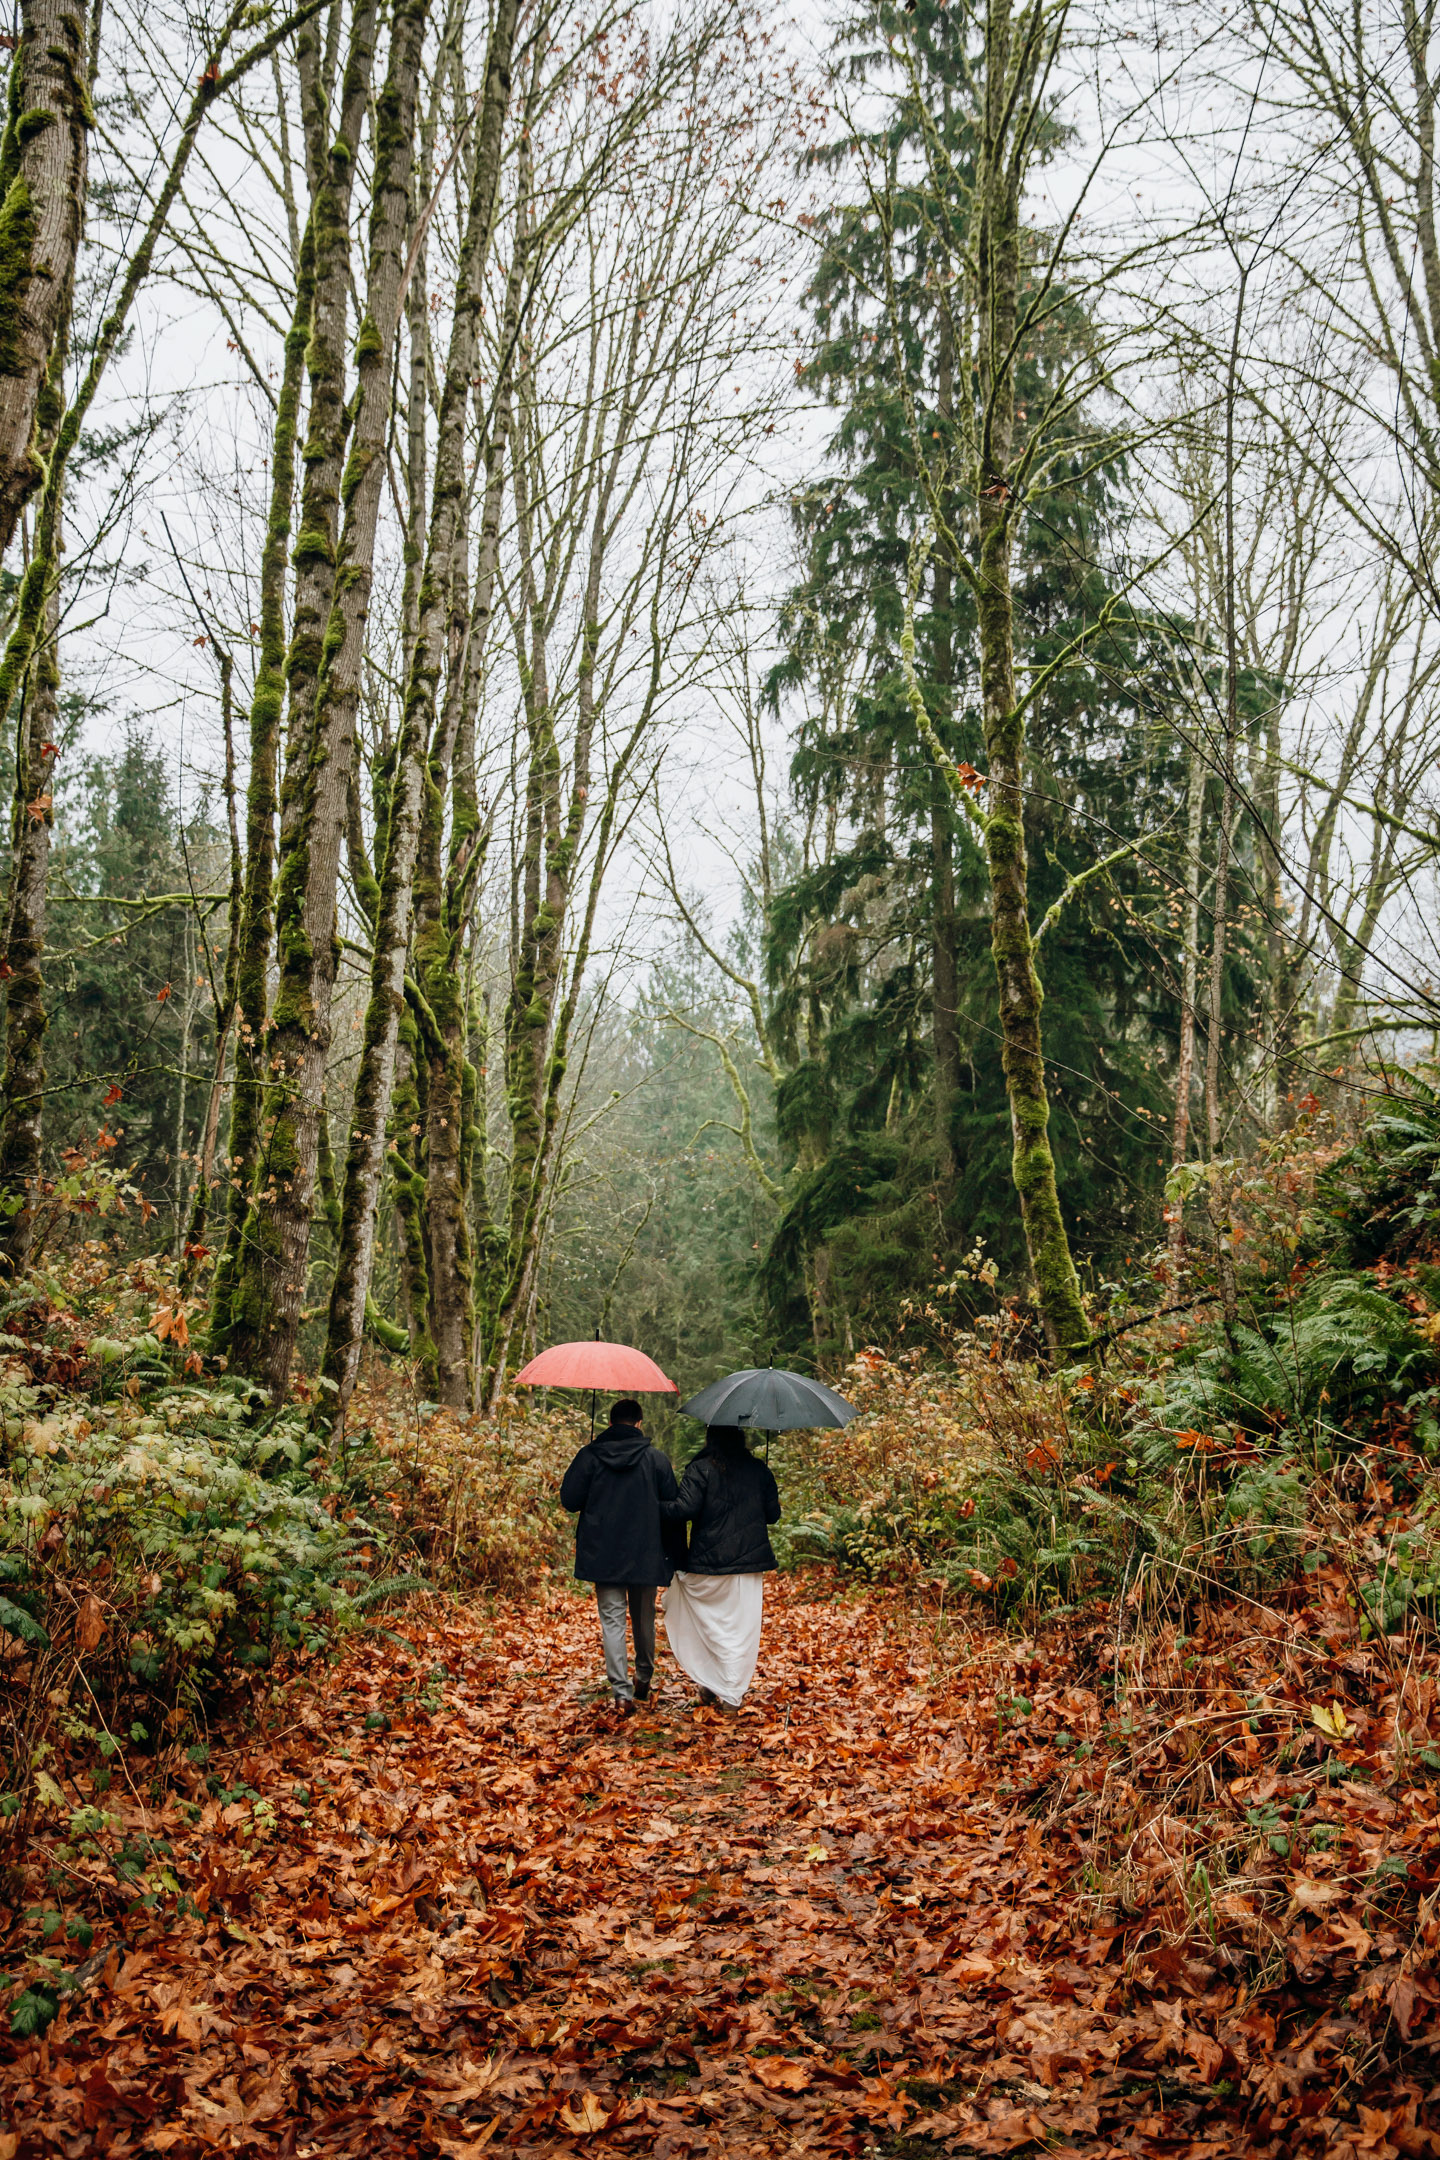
(1342, 1347)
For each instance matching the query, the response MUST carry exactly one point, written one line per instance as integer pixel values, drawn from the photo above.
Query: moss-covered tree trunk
(257, 919)
(224, 993)
(22, 1092)
(42, 212)
(944, 962)
(545, 871)
(444, 895)
(402, 832)
(42, 209)
(538, 1018)
(1010, 59)
(275, 1261)
(417, 316)
(405, 1168)
(1189, 985)
(944, 971)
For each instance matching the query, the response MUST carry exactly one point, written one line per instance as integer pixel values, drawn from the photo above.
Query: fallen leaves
(445, 1903)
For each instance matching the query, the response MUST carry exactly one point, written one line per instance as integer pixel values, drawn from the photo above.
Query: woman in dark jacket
(715, 1606)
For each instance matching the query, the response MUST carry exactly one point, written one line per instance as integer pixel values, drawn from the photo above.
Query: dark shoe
(642, 1691)
(709, 1701)
(624, 1705)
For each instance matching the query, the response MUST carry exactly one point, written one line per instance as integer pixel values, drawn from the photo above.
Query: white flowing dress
(712, 1623)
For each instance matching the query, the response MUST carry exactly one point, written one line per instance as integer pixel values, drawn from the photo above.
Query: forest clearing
(747, 708)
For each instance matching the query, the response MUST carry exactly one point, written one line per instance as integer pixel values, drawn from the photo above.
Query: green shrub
(1333, 1357)
(150, 1554)
(1380, 1199)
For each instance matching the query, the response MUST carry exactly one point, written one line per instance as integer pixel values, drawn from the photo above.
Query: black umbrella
(769, 1401)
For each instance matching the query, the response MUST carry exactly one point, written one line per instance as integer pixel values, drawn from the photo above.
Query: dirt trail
(454, 1904)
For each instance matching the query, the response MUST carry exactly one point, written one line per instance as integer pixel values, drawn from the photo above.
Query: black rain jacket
(727, 1497)
(616, 1486)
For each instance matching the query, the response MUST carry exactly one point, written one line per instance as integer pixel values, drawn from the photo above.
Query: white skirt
(712, 1623)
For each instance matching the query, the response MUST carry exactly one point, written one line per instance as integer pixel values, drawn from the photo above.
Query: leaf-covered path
(450, 1903)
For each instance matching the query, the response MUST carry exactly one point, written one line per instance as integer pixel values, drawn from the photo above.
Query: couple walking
(632, 1539)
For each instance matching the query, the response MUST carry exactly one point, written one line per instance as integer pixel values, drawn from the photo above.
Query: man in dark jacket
(616, 1486)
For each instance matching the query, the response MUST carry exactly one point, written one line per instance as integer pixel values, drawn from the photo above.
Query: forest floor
(439, 1898)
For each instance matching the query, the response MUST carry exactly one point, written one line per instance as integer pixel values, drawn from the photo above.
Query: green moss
(17, 242)
(313, 545)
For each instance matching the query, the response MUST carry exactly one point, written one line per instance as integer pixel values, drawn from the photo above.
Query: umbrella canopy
(612, 1366)
(769, 1401)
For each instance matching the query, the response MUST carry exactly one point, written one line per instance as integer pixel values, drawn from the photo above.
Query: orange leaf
(161, 995)
(779, 2074)
(90, 1622)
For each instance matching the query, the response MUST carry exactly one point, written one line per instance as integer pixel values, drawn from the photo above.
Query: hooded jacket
(616, 1486)
(728, 1496)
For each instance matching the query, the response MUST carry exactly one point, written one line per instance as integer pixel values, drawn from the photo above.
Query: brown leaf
(89, 1622)
(466, 2148)
(780, 2074)
(1312, 1896)
(585, 2113)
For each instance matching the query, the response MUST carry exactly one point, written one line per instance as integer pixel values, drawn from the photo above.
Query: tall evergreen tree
(897, 1110)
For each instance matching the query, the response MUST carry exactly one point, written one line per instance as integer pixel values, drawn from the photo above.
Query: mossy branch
(1081, 878)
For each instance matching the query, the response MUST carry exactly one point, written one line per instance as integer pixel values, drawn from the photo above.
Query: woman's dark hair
(626, 1412)
(726, 1440)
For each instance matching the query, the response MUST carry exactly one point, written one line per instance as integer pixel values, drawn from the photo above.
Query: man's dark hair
(626, 1412)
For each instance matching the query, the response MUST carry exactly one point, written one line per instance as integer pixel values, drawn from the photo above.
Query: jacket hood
(620, 1447)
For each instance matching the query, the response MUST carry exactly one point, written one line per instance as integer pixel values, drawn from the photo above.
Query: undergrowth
(1232, 1531)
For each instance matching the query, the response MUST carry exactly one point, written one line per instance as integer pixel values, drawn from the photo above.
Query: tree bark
(409, 1111)
(443, 903)
(327, 420)
(944, 973)
(43, 160)
(224, 993)
(397, 875)
(1189, 986)
(275, 1262)
(257, 920)
(998, 250)
(1219, 1202)
(22, 1093)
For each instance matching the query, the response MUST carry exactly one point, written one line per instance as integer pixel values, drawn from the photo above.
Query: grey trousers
(613, 1599)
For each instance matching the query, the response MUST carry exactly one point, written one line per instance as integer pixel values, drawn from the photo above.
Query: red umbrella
(613, 1366)
(610, 1365)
